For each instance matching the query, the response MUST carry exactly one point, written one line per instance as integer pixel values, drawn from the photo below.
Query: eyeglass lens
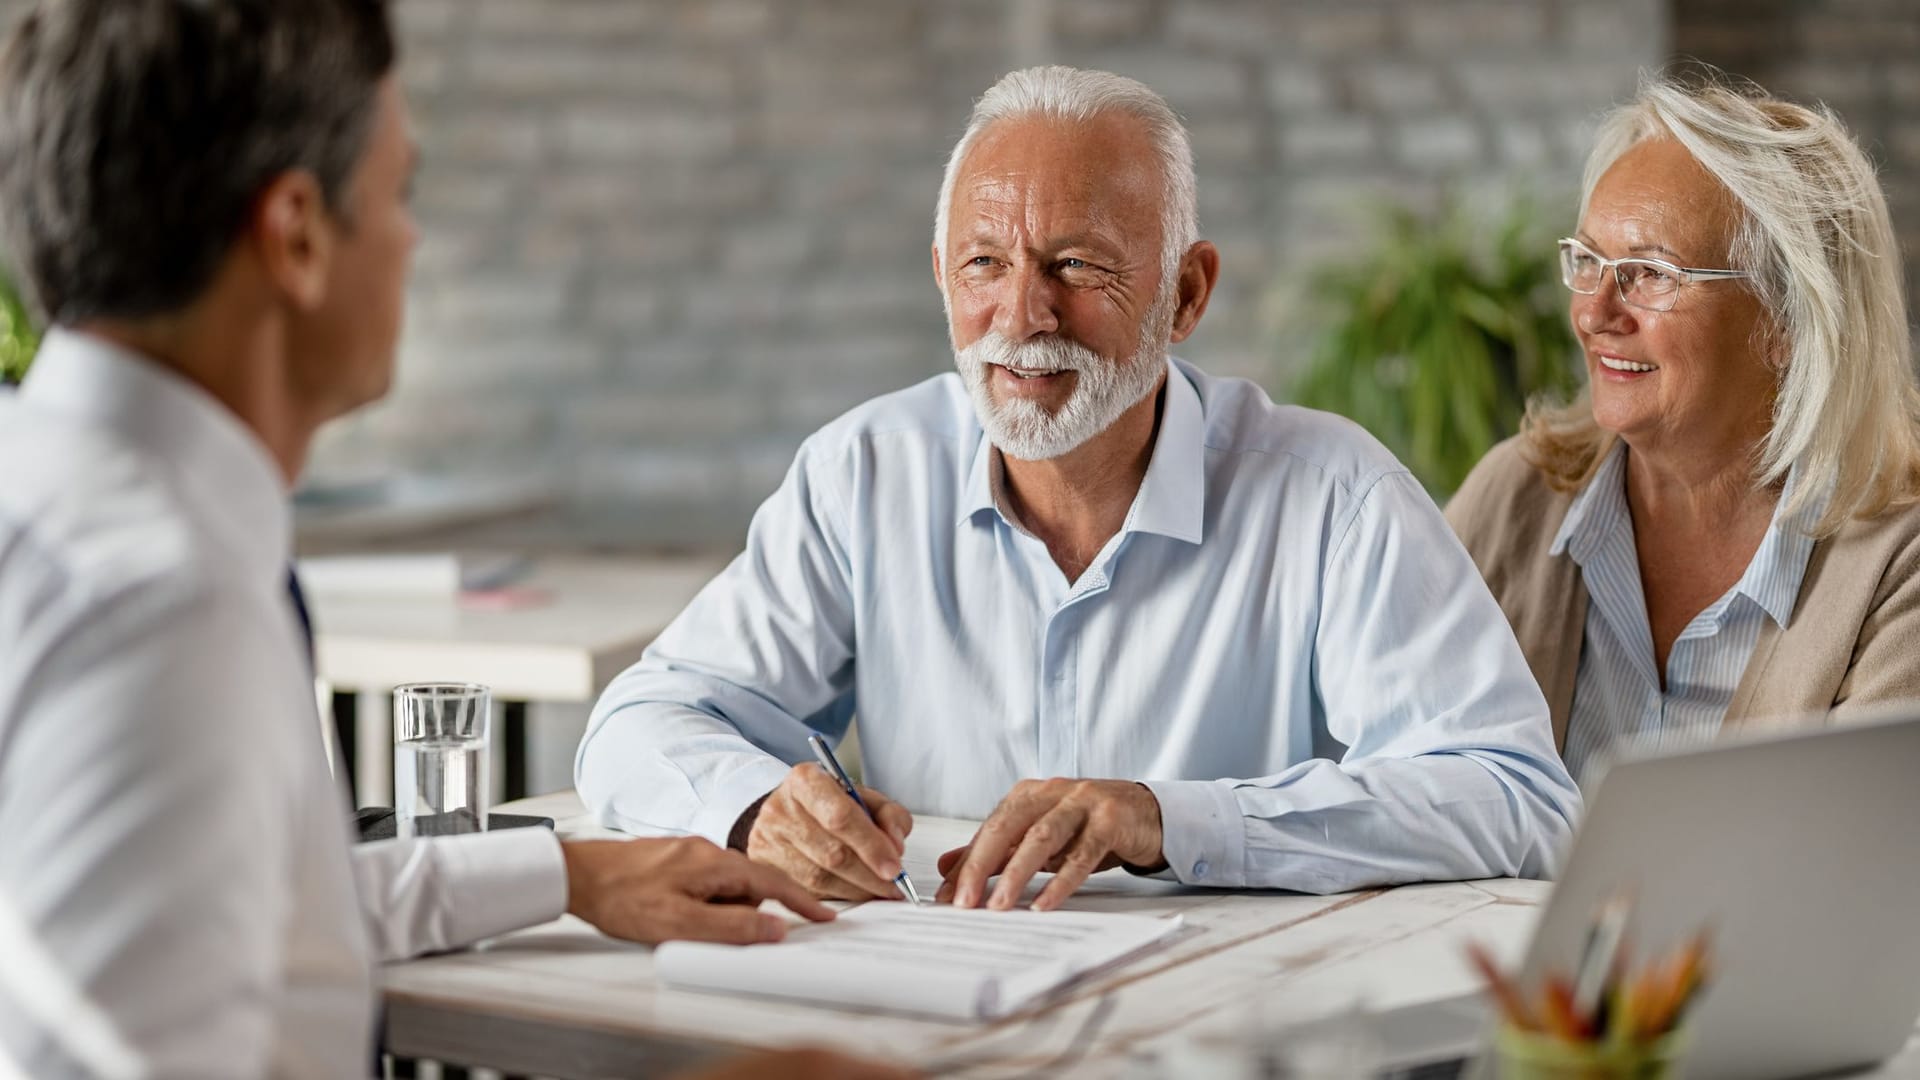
(1641, 282)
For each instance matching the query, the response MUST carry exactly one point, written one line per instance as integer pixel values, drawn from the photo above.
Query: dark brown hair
(136, 134)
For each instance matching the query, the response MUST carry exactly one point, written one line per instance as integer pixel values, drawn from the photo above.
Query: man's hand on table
(1070, 827)
(810, 830)
(655, 890)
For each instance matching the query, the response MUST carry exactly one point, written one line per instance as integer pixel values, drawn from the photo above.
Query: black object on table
(377, 823)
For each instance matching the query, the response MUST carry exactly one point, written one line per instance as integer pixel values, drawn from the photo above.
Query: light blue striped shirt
(1284, 641)
(1618, 705)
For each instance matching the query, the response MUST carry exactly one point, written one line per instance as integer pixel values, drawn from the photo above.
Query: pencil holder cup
(1527, 1055)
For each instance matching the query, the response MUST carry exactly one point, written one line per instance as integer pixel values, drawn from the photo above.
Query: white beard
(1103, 389)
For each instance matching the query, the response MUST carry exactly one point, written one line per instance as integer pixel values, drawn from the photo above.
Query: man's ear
(293, 234)
(1199, 271)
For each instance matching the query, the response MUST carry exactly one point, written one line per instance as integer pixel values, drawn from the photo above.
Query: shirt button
(1200, 869)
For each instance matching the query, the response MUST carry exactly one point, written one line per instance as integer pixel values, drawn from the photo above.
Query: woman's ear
(1770, 344)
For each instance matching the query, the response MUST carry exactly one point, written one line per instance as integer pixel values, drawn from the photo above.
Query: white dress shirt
(168, 828)
(1284, 641)
(1621, 704)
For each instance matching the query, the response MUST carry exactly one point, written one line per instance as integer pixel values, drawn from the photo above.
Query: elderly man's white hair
(1065, 93)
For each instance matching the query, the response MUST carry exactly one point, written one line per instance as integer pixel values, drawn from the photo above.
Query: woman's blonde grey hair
(1815, 234)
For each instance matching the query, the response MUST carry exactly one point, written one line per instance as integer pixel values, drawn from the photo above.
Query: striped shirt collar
(1772, 579)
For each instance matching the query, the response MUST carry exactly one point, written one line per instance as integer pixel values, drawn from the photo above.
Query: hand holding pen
(810, 828)
(832, 764)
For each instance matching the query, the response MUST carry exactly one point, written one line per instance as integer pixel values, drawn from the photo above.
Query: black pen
(832, 764)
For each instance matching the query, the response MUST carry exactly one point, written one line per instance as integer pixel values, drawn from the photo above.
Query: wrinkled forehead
(1042, 175)
(1658, 199)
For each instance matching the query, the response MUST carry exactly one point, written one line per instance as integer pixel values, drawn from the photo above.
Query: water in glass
(448, 781)
(441, 778)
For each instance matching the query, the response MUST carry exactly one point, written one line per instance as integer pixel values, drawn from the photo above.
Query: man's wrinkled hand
(656, 890)
(809, 829)
(1072, 828)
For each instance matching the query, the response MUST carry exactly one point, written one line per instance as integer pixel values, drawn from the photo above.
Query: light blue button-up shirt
(1284, 641)
(1618, 703)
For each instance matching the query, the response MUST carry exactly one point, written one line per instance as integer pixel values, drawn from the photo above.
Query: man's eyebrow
(1085, 241)
(1091, 241)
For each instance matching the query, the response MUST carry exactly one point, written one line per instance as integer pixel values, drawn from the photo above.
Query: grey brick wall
(665, 239)
(668, 239)
(1862, 57)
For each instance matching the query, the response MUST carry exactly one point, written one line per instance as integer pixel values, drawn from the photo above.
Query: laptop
(1800, 851)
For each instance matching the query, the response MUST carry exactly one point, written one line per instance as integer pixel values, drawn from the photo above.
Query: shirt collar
(1772, 578)
(1173, 494)
(1600, 508)
(218, 464)
(981, 477)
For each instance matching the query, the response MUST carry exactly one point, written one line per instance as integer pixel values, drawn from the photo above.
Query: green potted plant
(18, 338)
(1437, 334)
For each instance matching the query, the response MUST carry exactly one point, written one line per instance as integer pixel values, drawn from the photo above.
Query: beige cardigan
(1853, 640)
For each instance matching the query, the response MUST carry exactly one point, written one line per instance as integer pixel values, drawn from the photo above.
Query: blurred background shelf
(578, 621)
(371, 510)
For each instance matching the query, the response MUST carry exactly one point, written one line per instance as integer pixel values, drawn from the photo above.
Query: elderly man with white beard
(1129, 613)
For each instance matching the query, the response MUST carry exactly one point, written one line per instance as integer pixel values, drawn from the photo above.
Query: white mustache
(1050, 356)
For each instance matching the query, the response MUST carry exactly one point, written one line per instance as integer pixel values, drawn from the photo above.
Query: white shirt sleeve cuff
(504, 880)
(741, 789)
(1201, 833)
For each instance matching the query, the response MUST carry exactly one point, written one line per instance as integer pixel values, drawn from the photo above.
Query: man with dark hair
(208, 200)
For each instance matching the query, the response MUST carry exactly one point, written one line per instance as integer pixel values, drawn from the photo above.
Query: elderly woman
(1722, 528)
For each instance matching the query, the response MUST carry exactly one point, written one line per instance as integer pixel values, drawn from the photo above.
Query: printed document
(932, 960)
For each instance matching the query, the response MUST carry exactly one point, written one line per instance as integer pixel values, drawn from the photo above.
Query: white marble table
(597, 616)
(563, 1000)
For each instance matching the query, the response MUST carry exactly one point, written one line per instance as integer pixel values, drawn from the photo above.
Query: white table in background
(600, 613)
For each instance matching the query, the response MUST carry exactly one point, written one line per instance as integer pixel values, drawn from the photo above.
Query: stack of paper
(962, 964)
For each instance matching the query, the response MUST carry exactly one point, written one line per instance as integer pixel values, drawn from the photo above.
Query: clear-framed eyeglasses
(1649, 284)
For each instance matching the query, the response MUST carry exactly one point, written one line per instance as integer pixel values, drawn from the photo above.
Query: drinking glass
(440, 760)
